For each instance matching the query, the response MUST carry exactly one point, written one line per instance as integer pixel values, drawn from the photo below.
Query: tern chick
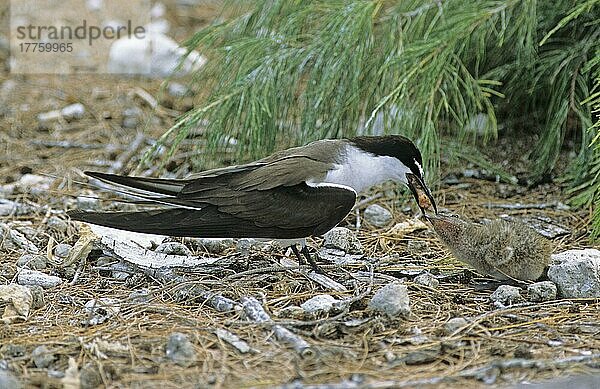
(501, 249)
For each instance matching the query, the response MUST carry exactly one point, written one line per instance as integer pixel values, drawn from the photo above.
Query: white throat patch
(361, 170)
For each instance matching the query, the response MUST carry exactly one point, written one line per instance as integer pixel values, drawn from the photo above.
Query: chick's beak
(421, 193)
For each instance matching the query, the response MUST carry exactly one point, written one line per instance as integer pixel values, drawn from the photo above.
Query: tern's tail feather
(207, 222)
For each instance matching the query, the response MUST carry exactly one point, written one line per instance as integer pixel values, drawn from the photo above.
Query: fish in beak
(421, 193)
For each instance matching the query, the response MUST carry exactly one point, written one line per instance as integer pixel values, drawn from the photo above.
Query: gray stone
(42, 357)
(89, 376)
(8, 207)
(392, 299)
(180, 350)
(32, 261)
(62, 250)
(319, 303)
(8, 381)
(173, 248)
(427, 279)
(377, 215)
(33, 277)
(576, 273)
(343, 239)
(454, 324)
(57, 224)
(506, 295)
(34, 184)
(542, 291)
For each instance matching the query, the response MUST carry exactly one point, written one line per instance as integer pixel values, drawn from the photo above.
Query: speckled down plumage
(501, 249)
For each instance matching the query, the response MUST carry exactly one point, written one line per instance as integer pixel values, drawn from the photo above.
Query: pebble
(73, 111)
(42, 357)
(8, 207)
(62, 250)
(7, 380)
(319, 303)
(180, 350)
(576, 273)
(392, 299)
(506, 295)
(542, 291)
(89, 376)
(378, 216)
(454, 324)
(155, 55)
(57, 224)
(33, 277)
(343, 239)
(174, 248)
(427, 279)
(32, 261)
(34, 184)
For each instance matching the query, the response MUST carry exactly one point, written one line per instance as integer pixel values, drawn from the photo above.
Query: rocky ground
(85, 307)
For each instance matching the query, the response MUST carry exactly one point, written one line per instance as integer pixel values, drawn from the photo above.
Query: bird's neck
(360, 170)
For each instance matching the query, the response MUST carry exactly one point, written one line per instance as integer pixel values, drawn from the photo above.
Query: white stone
(156, 55)
(34, 277)
(576, 273)
(73, 111)
(319, 303)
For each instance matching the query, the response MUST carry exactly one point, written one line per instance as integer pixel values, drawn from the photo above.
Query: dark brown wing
(285, 212)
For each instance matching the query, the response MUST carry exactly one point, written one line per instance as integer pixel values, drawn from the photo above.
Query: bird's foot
(304, 256)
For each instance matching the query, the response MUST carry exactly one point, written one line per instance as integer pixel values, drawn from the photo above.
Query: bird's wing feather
(287, 171)
(285, 212)
(163, 186)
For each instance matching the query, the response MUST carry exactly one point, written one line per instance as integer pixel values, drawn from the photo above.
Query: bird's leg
(297, 254)
(311, 260)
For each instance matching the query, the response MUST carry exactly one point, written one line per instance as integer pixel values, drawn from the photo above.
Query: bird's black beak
(421, 193)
